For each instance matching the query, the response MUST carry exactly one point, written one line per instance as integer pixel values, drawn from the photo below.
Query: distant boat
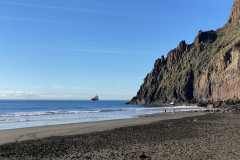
(95, 98)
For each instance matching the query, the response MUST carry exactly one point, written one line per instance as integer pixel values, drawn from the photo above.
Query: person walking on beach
(165, 111)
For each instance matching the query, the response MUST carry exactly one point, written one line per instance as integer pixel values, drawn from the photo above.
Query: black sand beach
(210, 136)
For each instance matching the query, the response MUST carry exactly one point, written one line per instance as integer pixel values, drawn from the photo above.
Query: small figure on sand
(165, 111)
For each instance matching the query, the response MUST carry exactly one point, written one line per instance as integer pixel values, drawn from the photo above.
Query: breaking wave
(45, 113)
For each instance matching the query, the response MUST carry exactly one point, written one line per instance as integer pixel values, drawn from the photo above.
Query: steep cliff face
(235, 13)
(208, 70)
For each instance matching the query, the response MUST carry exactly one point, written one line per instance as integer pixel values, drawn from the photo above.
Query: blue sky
(74, 49)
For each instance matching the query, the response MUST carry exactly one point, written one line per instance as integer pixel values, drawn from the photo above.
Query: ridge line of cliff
(206, 71)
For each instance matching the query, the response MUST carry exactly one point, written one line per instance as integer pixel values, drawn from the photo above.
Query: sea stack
(206, 71)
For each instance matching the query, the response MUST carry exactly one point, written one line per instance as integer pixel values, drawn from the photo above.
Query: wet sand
(209, 136)
(17, 135)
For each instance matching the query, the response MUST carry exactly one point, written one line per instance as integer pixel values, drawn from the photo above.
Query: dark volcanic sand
(212, 136)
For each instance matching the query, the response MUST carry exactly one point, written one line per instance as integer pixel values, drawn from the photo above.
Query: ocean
(33, 113)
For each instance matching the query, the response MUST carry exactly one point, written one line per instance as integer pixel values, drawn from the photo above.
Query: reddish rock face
(221, 81)
(208, 70)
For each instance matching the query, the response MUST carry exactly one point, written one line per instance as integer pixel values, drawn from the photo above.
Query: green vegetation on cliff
(205, 71)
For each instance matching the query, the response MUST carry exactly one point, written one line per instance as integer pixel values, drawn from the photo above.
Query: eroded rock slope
(208, 70)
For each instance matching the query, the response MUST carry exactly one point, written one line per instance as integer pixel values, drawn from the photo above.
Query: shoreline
(33, 133)
(37, 114)
(208, 136)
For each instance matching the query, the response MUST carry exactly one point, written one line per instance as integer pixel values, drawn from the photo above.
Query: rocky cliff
(208, 70)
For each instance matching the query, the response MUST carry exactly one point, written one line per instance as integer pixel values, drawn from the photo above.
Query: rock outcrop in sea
(206, 71)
